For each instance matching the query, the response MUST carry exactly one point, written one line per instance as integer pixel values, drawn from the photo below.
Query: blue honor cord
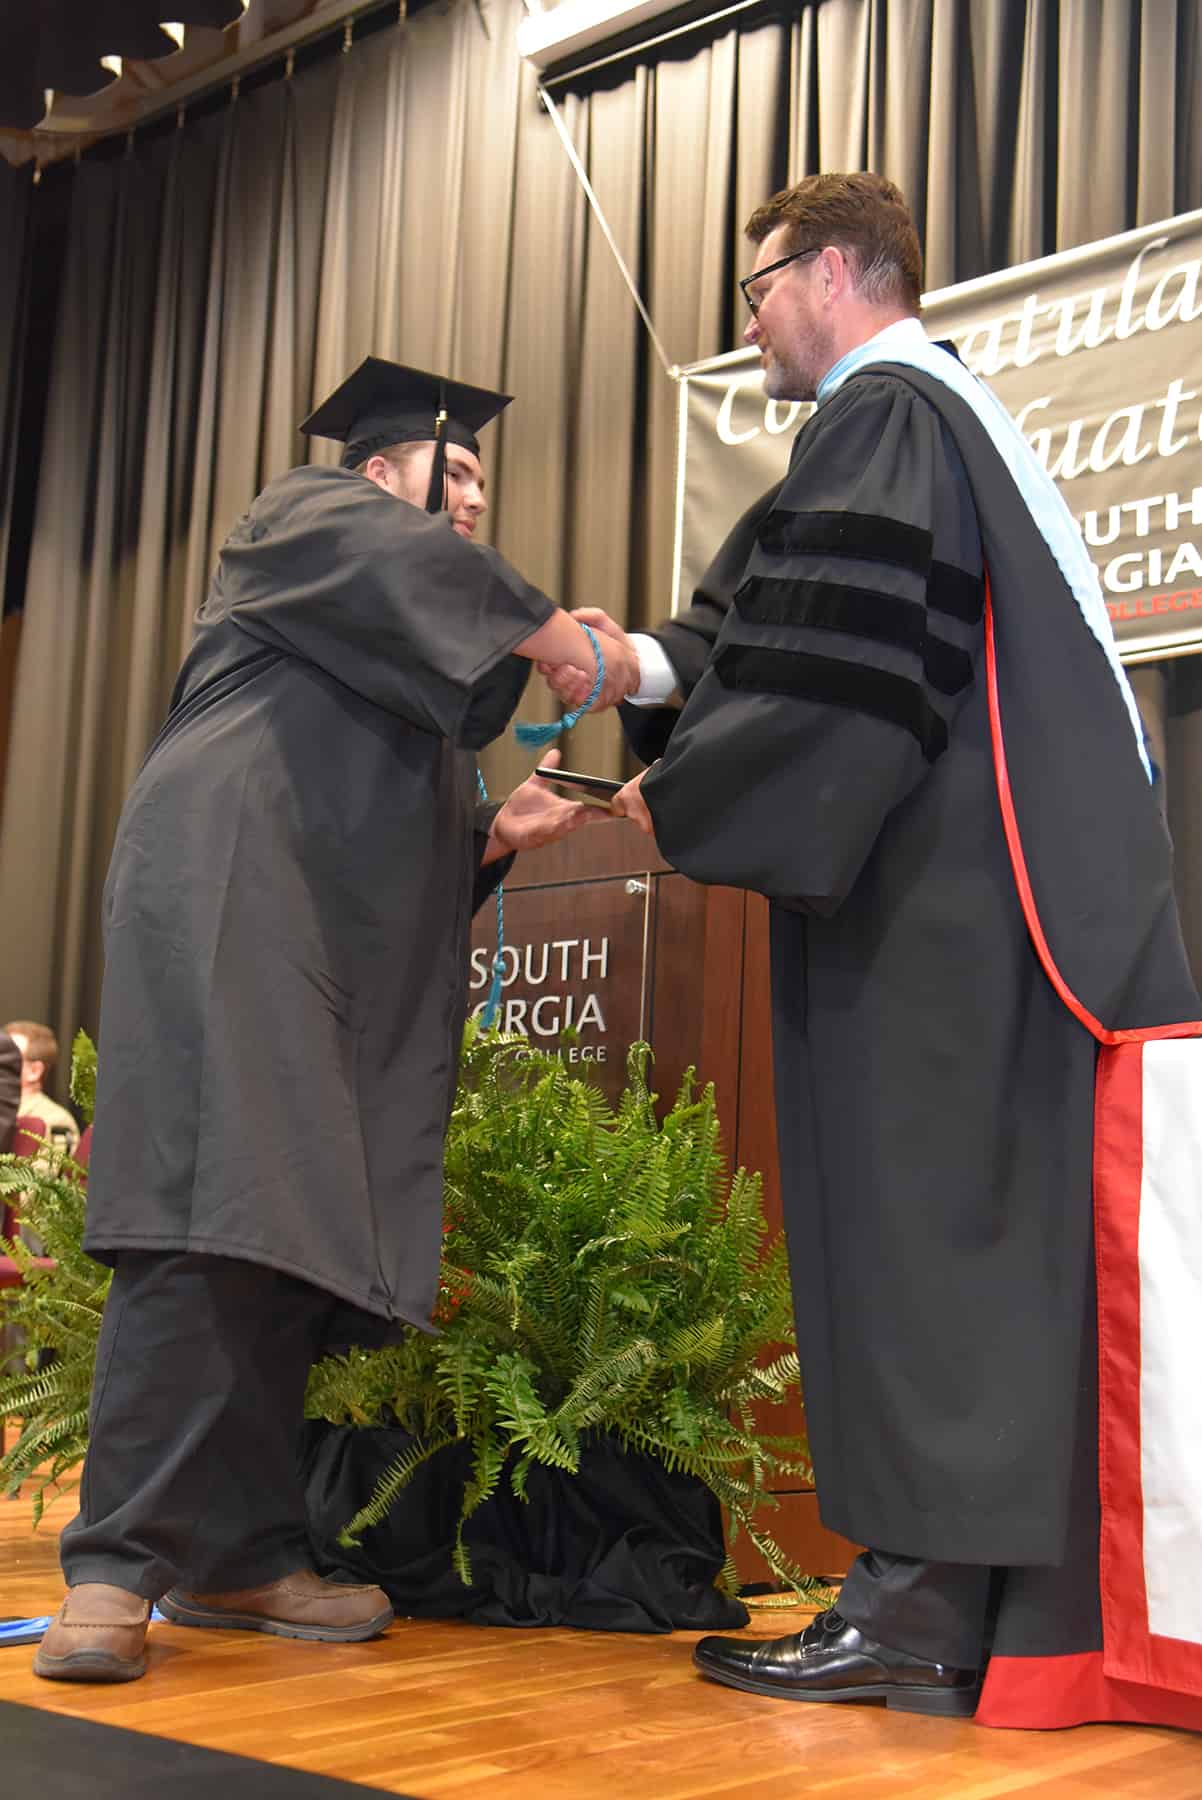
(531, 735)
(492, 1004)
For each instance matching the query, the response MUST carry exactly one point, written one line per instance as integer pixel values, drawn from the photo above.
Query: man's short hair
(396, 454)
(41, 1045)
(863, 215)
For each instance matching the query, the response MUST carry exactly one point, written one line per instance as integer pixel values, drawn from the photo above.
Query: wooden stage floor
(443, 1709)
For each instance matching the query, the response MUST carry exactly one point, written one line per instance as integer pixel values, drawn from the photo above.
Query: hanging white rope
(670, 368)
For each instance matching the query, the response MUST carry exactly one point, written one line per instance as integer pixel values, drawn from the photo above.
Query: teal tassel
(531, 735)
(493, 1004)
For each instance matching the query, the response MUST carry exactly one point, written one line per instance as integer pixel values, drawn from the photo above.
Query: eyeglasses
(753, 300)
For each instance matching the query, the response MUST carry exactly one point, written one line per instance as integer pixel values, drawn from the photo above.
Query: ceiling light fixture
(574, 25)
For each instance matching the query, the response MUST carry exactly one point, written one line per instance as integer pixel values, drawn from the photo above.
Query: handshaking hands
(571, 686)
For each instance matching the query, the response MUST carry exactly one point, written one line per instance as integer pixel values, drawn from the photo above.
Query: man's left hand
(535, 814)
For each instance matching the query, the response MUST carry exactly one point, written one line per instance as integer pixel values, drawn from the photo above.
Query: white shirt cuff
(657, 677)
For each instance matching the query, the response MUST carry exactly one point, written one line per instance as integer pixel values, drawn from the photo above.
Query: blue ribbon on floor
(32, 1631)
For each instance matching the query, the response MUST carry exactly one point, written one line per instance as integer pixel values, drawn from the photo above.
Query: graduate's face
(464, 484)
(791, 329)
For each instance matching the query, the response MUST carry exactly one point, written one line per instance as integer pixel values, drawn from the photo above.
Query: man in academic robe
(934, 1066)
(286, 931)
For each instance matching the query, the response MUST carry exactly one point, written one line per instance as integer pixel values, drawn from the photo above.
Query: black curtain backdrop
(16, 191)
(411, 199)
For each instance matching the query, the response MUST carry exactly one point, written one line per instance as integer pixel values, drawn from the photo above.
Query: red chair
(28, 1133)
(83, 1149)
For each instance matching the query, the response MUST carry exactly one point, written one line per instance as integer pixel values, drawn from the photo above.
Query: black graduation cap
(384, 403)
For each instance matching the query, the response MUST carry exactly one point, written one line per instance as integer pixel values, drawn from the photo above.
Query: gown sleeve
(383, 597)
(849, 649)
(688, 639)
(488, 876)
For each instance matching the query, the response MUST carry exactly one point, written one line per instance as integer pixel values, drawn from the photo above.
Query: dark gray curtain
(412, 199)
(16, 187)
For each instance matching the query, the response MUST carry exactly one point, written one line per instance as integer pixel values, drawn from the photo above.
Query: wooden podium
(603, 936)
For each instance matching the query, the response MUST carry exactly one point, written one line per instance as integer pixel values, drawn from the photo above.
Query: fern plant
(57, 1309)
(601, 1274)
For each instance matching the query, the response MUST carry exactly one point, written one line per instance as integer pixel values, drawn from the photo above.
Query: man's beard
(798, 377)
(782, 383)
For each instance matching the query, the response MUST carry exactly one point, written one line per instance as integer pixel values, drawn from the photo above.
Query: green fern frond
(461, 1368)
(487, 1462)
(808, 1588)
(83, 1076)
(601, 1386)
(632, 1299)
(694, 1345)
(392, 1483)
(728, 1577)
(509, 1381)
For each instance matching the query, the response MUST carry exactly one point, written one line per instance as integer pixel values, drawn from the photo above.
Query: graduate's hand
(572, 686)
(622, 671)
(535, 814)
(628, 803)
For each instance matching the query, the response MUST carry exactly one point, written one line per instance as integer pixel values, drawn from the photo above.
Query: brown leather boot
(98, 1634)
(301, 1605)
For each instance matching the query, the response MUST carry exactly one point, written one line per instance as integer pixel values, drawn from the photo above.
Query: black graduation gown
(287, 910)
(934, 1097)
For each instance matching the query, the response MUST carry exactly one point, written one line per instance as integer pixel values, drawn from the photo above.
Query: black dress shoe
(831, 1660)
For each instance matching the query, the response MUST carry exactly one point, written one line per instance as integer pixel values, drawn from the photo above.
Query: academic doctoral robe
(935, 1095)
(287, 909)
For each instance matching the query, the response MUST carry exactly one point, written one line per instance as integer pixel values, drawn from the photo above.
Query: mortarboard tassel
(436, 493)
(543, 734)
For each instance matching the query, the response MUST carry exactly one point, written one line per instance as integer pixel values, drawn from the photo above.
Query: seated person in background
(38, 1048)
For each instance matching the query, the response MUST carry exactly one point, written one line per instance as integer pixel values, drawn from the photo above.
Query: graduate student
(936, 1027)
(286, 933)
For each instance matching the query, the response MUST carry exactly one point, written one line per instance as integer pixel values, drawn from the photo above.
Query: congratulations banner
(1096, 352)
